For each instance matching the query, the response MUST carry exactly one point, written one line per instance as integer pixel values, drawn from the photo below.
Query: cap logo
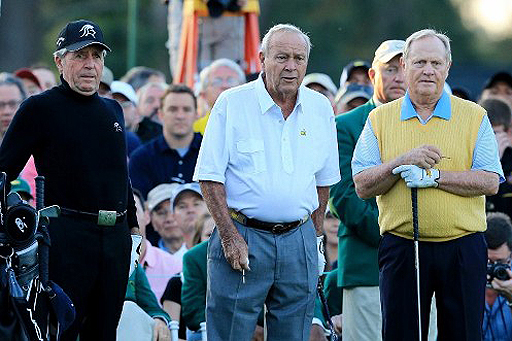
(88, 30)
(60, 41)
(117, 127)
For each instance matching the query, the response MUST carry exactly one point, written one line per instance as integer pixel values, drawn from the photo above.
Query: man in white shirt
(267, 160)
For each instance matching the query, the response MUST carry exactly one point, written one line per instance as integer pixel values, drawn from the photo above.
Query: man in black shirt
(77, 140)
(172, 156)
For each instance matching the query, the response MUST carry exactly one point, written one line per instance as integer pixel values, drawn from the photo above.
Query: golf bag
(31, 306)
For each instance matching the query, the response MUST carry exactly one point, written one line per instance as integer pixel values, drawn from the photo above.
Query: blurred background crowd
(165, 120)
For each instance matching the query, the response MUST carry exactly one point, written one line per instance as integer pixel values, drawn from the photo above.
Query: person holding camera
(497, 323)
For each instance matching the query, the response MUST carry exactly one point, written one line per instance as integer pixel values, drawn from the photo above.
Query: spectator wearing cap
(163, 221)
(499, 85)
(91, 244)
(30, 81)
(22, 187)
(187, 205)
(358, 273)
(217, 77)
(172, 156)
(321, 83)
(124, 94)
(355, 72)
(352, 96)
(106, 80)
(159, 265)
(45, 76)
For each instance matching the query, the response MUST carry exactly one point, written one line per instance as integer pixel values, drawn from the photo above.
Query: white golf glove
(415, 176)
(134, 257)
(321, 254)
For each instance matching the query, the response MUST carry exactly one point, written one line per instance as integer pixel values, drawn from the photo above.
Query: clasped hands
(416, 167)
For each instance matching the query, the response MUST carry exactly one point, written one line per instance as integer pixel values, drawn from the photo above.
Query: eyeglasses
(13, 104)
(230, 81)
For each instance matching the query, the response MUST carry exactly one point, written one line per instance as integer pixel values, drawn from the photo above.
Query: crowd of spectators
(165, 124)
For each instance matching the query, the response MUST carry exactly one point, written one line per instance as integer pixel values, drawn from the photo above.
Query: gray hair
(205, 73)
(7, 79)
(265, 42)
(142, 90)
(428, 33)
(138, 76)
(62, 52)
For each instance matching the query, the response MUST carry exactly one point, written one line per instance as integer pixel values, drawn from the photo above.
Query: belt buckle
(277, 228)
(107, 218)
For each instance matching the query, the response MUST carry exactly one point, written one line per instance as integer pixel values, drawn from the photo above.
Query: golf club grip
(414, 200)
(39, 192)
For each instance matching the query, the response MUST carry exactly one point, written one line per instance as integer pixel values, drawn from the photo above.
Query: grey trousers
(283, 276)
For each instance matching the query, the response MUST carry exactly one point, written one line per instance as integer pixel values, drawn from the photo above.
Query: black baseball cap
(502, 76)
(79, 34)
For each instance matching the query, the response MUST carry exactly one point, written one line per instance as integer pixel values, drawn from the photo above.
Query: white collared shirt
(270, 167)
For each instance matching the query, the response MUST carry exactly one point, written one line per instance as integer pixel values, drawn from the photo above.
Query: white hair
(142, 90)
(62, 52)
(265, 42)
(428, 33)
(205, 73)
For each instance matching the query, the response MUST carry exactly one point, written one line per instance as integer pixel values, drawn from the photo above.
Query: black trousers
(91, 264)
(454, 270)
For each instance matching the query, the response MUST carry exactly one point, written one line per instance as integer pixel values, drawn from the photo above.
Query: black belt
(276, 228)
(102, 218)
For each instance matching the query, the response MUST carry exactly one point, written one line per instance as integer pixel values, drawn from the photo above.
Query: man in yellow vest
(445, 147)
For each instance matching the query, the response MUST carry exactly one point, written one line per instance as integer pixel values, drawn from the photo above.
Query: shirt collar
(265, 100)
(161, 143)
(443, 108)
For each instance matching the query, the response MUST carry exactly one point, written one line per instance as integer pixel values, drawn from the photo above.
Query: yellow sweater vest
(442, 216)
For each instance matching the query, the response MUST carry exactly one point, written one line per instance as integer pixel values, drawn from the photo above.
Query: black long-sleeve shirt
(79, 147)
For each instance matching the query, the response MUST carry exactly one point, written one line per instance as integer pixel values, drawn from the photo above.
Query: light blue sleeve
(486, 156)
(367, 153)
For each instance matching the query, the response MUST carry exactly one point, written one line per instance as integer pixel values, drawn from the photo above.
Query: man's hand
(416, 177)
(504, 287)
(258, 334)
(426, 157)
(236, 251)
(337, 322)
(160, 331)
(317, 333)
(135, 230)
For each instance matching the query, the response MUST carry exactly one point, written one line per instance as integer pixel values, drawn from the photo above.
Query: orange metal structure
(187, 60)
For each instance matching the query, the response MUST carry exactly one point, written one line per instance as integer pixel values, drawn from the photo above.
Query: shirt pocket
(251, 155)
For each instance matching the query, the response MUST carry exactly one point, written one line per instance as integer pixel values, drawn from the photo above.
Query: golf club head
(49, 212)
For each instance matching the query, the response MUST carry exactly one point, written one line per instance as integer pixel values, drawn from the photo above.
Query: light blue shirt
(497, 324)
(485, 154)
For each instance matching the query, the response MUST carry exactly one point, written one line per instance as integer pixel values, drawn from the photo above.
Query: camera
(217, 7)
(498, 271)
